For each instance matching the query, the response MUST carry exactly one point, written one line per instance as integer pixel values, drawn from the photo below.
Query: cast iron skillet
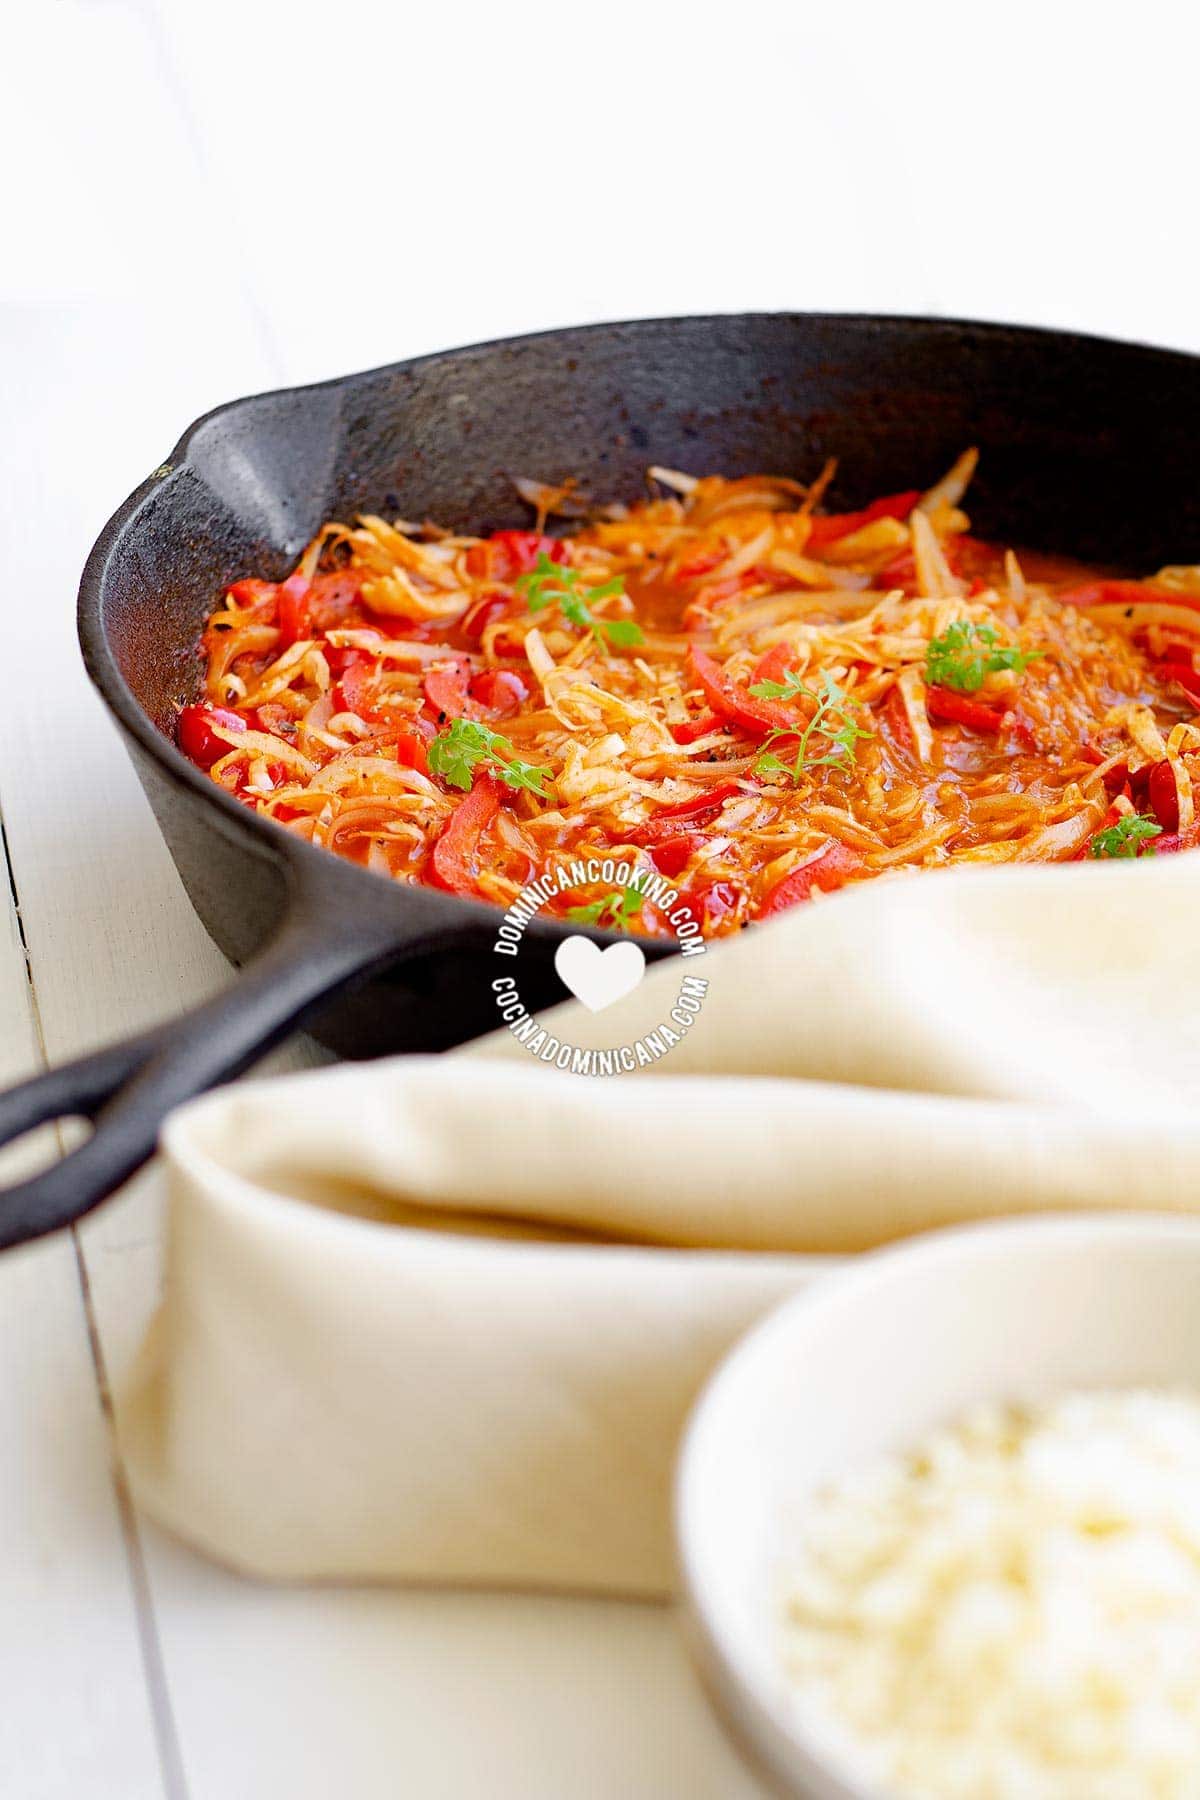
(1088, 449)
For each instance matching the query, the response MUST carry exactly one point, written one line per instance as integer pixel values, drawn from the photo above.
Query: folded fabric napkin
(442, 1318)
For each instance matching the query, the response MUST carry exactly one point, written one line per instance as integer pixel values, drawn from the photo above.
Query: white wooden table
(204, 201)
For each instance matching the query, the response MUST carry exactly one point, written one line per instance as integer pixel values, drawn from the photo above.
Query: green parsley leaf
(830, 737)
(614, 910)
(458, 751)
(608, 590)
(546, 581)
(623, 632)
(787, 689)
(517, 774)
(454, 753)
(549, 583)
(773, 768)
(575, 609)
(966, 654)
(589, 914)
(1130, 836)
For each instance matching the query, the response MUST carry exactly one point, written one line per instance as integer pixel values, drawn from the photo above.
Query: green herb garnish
(834, 725)
(966, 654)
(1130, 836)
(549, 583)
(787, 689)
(458, 751)
(614, 911)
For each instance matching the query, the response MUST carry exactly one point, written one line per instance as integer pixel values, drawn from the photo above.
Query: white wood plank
(375, 1694)
(98, 380)
(76, 1717)
(113, 942)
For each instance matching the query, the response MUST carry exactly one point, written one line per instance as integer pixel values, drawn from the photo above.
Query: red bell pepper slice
(292, 613)
(196, 736)
(828, 871)
(730, 700)
(1152, 787)
(411, 752)
(895, 717)
(508, 554)
(251, 590)
(669, 821)
(672, 856)
(832, 526)
(446, 692)
(1116, 777)
(697, 728)
(524, 547)
(485, 612)
(956, 709)
(500, 690)
(775, 664)
(1169, 649)
(1186, 676)
(452, 865)
(340, 658)
(709, 801)
(1163, 795)
(350, 692)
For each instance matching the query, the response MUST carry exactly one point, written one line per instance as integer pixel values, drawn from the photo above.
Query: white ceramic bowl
(869, 1360)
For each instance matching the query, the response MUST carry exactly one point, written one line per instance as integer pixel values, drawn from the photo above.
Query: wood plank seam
(166, 1735)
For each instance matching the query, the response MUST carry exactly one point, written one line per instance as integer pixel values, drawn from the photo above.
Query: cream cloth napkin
(442, 1318)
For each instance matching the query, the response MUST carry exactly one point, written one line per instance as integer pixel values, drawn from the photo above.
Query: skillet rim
(262, 834)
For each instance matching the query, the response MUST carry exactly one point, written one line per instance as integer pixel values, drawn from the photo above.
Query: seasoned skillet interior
(1087, 446)
(1087, 452)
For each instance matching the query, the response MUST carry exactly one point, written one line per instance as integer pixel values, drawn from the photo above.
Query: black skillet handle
(127, 1089)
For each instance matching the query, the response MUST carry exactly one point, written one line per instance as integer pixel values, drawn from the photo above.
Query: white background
(203, 200)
